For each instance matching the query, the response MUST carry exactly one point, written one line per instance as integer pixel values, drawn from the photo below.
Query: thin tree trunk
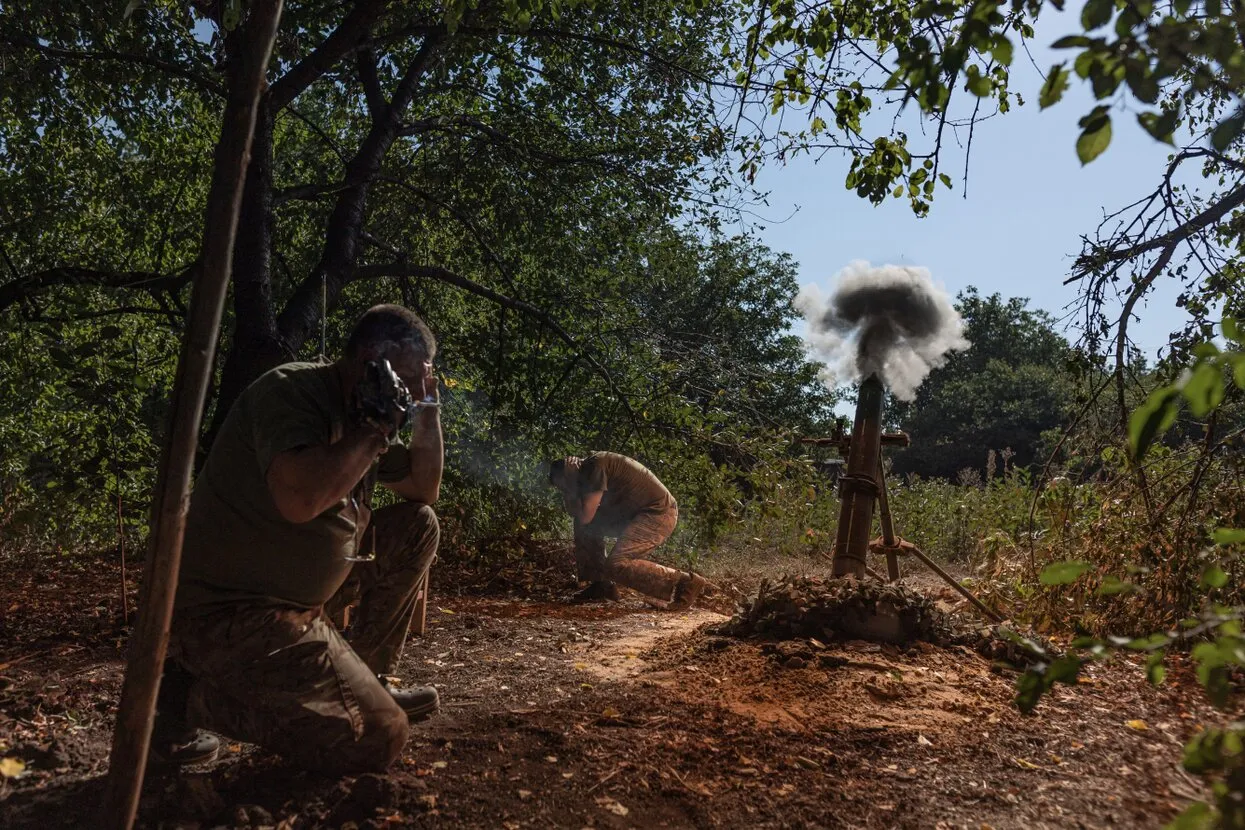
(256, 346)
(246, 72)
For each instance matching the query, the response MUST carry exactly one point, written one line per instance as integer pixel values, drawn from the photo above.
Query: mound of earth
(815, 609)
(811, 607)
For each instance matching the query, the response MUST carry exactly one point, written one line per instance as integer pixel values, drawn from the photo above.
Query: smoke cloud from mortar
(893, 320)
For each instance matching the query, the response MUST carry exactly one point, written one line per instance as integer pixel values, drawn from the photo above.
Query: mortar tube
(859, 484)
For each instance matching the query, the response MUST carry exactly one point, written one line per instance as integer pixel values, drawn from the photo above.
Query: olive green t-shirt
(629, 486)
(237, 545)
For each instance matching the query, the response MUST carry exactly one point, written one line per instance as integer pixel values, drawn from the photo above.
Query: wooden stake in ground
(125, 596)
(246, 74)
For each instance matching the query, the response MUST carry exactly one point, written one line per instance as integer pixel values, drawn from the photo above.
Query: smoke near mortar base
(892, 320)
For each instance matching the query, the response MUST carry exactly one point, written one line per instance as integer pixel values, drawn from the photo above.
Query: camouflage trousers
(627, 564)
(286, 679)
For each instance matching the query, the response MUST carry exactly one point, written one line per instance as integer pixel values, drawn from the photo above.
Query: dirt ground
(617, 716)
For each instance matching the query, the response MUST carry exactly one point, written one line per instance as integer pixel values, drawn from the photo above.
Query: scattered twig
(621, 767)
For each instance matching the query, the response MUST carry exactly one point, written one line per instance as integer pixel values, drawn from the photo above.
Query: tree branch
(444, 275)
(28, 286)
(203, 82)
(1232, 200)
(352, 31)
(337, 261)
(365, 64)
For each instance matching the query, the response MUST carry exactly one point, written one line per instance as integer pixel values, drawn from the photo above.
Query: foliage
(1003, 393)
(1214, 632)
(518, 173)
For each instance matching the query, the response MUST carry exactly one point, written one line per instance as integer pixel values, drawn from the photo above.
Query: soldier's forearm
(306, 482)
(427, 451)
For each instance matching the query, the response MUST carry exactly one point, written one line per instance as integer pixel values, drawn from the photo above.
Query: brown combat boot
(689, 590)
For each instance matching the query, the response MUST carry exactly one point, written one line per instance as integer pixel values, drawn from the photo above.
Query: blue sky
(1028, 202)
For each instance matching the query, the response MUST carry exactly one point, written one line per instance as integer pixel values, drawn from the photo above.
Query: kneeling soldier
(279, 520)
(611, 495)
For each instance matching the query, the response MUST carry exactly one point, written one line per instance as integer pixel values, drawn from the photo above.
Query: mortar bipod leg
(890, 540)
(888, 526)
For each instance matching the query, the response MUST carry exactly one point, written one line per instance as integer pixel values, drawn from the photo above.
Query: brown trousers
(284, 678)
(627, 564)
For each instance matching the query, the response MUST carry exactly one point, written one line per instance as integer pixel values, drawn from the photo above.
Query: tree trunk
(256, 346)
(251, 48)
(261, 338)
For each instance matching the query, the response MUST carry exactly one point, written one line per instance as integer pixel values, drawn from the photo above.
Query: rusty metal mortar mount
(861, 486)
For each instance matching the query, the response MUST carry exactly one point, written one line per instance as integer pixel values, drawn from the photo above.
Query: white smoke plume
(893, 320)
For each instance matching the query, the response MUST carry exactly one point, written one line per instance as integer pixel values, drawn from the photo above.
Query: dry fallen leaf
(440, 764)
(610, 712)
(12, 768)
(524, 795)
(923, 741)
(1139, 725)
(612, 806)
(1022, 763)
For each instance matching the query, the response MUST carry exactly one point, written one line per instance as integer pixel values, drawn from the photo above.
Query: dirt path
(622, 716)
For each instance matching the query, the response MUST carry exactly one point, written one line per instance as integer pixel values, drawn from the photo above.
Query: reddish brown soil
(618, 716)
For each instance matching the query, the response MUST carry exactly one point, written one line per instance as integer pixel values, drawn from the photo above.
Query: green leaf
(1144, 86)
(1197, 816)
(1159, 126)
(130, 8)
(1096, 13)
(1155, 672)
(1071, 42)
(1232, 330)
(1002, 51)
(1204, 389)
(1237, 359)
(1112, 585)
(1063, 573)
(1063, 670)
(110, 332)
(1029, 689)
(1151, 419)
(231, 15)
(1228, 130)
(1214, 577)
(1094, 140)
(1228, 536)
(1053, 89)
(979, 85)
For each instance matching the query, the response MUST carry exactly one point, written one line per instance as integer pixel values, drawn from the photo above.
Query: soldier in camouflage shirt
(279, 523)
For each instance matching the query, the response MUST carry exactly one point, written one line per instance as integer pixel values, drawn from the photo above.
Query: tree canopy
(1000, 395)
